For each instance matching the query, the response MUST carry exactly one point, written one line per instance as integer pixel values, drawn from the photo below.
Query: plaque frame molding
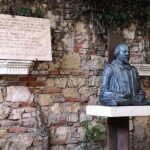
(15, 67)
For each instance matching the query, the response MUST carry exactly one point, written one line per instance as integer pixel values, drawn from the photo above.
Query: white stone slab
(119, 111)
(25, 38)
(143, 69)
(15, 67)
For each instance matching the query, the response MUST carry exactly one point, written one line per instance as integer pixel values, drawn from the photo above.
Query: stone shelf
(15, 67)
(143, 69)
(118, 122)
(119, 111)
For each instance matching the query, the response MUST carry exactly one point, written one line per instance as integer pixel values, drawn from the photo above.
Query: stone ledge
(15, 67)
(119, 111)
(143, 69)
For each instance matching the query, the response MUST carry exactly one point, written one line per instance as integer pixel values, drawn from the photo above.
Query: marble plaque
(25, 38)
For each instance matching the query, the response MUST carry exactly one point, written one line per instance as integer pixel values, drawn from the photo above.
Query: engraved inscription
(25, 38)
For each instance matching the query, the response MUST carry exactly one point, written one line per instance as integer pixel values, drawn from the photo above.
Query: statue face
(124, 54)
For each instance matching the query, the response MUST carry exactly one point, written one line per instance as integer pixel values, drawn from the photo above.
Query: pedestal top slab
(119, 111)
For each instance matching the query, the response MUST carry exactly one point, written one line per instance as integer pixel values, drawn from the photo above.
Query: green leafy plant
(21, 11)
(95, 133)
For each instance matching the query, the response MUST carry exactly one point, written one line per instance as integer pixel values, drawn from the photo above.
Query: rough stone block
(10, 123)
(61, 132)
(77, 82)
(72, 117)
(18, 94)
(15, 114)
(57, 120)
(70, 92)
(53, 90)
(45, 100)
(3, 133)
(71, 61)
(17, 129)
(50, 83)
(56, 109)
(58, 147)
(29, 122)
(58, 97)
(19, 141)
(4, 111)
(26, 115)
(79, 27)
(61, 82)
(71, 107)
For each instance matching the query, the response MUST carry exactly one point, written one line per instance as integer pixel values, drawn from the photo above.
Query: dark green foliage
(113, 14)
(38, 13)
(23, 11)
(94, 133)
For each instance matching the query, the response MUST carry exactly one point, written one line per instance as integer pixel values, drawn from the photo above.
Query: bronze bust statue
(120, 83)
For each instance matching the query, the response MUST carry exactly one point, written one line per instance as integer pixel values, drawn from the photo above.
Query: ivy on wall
(114, 14)
(111, 14)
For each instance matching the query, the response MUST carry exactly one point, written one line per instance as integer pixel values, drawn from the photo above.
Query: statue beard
(124, 59)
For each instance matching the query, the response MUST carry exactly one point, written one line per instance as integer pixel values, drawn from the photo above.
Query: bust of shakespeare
(120, 83)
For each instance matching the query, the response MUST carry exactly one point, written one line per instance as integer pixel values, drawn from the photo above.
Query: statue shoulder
(108, 66)
(108, 69)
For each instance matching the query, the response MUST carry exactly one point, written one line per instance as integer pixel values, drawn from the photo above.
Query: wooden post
(118, 133)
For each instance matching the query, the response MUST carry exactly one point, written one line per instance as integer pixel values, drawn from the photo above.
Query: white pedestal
(119, 111)
(118, 122)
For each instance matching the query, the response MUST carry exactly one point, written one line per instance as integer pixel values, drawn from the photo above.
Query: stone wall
(137, 37)
(44, 109)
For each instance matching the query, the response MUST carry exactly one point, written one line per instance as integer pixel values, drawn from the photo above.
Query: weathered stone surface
(129, 33)
(53, 18)
(93, 100)
(70, 92)
(26, 115)
(10, 123)
(61, 147)
(1, 96)
(61, 132)
(84, 117)
(94, 81)
(85, 91)
(140, 125)
(18, 94)
(72, 107)
(77, 82)
(3, 133)
(72, 117)
(59, 119)
(50, 82)
(4, 111)
(56, 109)
(71, 61)
(68, 41)
(45, 100)
(22, 141)
(79, 27)
(29, 122)
(16, 114)
(61, 82)
(58, 97)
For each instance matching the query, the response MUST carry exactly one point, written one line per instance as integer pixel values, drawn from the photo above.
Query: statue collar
(121, 65)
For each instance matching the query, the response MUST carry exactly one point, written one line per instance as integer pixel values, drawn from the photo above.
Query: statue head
(122, 53)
